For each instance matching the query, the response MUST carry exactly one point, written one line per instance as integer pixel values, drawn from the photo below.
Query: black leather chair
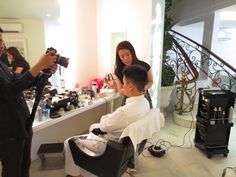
(119, 156)
(113, 163)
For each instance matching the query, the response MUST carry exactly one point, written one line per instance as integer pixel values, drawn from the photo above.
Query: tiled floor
(184, 161)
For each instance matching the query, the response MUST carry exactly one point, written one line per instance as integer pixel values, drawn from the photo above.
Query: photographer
(15, 129)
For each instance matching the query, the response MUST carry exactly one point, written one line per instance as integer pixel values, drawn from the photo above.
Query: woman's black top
(21, 63)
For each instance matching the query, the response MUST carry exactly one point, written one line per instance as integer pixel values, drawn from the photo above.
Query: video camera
(63, 61)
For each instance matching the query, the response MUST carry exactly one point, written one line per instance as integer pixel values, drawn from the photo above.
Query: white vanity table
(72, 123)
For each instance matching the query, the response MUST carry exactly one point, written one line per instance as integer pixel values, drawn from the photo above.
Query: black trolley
(214, 121)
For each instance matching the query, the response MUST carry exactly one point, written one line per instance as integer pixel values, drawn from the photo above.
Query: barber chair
(113, 163)
(119, 155)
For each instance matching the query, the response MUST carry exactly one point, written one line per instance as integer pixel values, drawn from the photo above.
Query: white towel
(145, 127)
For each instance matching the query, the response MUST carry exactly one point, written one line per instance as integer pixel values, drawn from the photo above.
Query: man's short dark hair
(136, 74)
(1, 30)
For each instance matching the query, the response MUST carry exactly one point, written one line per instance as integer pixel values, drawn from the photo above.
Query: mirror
(31, 19)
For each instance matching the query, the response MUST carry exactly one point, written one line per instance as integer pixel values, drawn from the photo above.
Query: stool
(51, 156)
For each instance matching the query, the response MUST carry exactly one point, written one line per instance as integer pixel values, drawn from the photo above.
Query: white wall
(133, 18)
(53, 35)
(79, 36)
(224, 44)
(225, 48)
(193, 31)
(33, 34)
(186, 10)
(87, 28)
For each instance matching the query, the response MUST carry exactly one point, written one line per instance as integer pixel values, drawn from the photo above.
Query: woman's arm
(19, 69)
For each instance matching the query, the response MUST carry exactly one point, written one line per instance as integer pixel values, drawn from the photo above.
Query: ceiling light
(48, 15)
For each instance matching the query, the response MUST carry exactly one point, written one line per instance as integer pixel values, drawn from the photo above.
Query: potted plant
(168, 74)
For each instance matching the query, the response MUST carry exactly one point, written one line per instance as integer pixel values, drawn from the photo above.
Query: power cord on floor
(162, 146)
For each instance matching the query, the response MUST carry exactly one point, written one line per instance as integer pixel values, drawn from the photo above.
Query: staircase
(195, 67)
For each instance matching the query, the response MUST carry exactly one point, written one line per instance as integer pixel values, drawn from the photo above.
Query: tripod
(43, 78)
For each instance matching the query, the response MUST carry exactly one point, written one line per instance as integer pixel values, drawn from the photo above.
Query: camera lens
(63, 61)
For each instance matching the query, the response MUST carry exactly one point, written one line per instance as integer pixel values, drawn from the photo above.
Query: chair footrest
(52, 156)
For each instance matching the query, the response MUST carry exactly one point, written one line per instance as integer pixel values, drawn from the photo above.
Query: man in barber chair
(112, 125)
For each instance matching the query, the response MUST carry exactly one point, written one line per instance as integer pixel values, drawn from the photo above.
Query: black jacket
(14, 111)
(4, 59)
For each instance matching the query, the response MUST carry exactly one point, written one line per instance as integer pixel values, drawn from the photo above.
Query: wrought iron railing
(186, 75)
(208, 63)
(189, 58)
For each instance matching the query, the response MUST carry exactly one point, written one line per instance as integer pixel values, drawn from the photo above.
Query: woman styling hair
(125, 55)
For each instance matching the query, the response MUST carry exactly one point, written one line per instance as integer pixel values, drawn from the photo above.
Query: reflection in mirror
(33, 22)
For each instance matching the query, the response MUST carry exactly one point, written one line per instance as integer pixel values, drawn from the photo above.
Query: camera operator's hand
(52, 68)
(46, 61)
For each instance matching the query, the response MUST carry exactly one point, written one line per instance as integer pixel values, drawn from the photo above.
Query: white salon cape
(114, 124)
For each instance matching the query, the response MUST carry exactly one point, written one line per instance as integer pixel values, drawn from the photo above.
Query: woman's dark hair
(18, 59)
(119, 65)
(137, 75)
(15, 54)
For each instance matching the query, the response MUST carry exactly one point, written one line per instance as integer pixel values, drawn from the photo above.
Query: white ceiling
(39, 9)
(29, 8)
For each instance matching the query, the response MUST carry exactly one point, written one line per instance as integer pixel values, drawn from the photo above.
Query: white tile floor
(187, 161)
